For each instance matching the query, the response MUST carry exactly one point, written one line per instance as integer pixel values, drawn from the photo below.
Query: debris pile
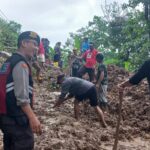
(62, 131)
(136, 104)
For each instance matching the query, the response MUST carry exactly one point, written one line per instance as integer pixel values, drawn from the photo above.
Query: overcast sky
(53, 19)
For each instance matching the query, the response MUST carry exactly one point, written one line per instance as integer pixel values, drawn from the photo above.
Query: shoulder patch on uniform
(4, 68)
(24, 65)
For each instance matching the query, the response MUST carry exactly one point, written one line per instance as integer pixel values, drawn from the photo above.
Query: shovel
(118, 122)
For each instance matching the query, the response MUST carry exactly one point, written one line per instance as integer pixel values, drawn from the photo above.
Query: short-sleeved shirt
(90, 58)
(20, 75)
(143, 72)
(101, 68)
(75, 86)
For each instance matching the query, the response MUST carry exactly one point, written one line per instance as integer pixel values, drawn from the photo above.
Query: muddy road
(62, 132)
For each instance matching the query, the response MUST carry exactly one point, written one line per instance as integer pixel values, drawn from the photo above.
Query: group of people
(43, 57)
(93, 90)
(18, 121)
(86, 63)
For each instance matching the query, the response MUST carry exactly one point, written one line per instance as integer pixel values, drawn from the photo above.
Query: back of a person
(79, 86)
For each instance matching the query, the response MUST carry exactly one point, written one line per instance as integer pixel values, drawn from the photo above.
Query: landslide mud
(62, 132)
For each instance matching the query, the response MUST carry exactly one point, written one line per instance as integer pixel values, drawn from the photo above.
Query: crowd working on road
(18, 121)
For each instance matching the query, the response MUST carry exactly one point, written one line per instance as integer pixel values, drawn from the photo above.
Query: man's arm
(64, 90)
(59, 102)
(123, 85)
(21, 83)
(136, 78)
(62, 99)
(84, 56)
(34, 122)
(140, 74)
(21, 89)
(126, 84)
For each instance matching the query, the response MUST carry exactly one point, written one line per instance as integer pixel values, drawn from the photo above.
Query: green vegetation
(9, 32)
(122, 34)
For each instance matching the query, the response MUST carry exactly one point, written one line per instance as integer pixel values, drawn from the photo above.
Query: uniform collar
(19, 53)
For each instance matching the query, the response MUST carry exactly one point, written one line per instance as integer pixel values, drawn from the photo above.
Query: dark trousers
(74, 72)
(91, 94)
(16, 137)
(90, 71)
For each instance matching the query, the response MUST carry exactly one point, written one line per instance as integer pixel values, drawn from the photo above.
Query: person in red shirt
(90, 61)
(41, 54)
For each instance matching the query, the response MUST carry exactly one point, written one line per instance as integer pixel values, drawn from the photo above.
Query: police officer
(20, 122)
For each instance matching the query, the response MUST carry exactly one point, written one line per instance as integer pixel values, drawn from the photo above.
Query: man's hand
(35, 125)
(59, 102)
(34, 122)
(69, 96)
(124, 85)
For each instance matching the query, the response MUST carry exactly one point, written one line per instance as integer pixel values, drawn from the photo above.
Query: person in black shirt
(101, 81)
(81, 90)
(143, 72)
